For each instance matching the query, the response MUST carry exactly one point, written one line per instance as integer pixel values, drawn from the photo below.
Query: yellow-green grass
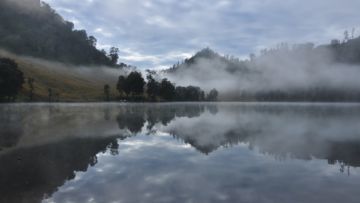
(68, 84)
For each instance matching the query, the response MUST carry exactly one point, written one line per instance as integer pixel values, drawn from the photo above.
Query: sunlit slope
(68, 84)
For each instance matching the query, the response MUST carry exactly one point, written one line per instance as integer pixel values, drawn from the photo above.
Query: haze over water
(189, 152)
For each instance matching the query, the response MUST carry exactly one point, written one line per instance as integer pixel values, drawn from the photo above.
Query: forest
(300, 72)
(133, 87)
(39, 31)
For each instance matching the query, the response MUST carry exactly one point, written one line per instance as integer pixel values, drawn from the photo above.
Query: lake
(180, 152)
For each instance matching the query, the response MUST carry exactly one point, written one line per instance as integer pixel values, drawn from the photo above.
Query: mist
(102, 74)
(280, 70)
(262, 127)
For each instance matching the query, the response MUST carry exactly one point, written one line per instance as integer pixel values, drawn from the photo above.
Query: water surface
(192, 152)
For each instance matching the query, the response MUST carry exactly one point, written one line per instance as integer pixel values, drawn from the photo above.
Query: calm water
(227, 152)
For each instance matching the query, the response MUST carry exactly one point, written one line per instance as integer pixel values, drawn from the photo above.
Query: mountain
(33, 28)
(347, 52)
(230, 64)
(303, 72)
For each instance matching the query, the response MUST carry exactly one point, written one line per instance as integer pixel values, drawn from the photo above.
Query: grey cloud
(238, 27)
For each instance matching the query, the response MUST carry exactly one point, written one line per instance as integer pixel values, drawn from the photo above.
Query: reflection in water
(272, 152)
(29, 175)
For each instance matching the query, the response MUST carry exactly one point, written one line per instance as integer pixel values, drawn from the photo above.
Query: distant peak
(206, 52)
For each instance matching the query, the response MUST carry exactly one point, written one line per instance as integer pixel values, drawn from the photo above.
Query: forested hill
(346, 51)
(230, 64)
(301, 72)
(33, 28)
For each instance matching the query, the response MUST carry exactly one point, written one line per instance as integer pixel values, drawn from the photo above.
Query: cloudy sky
(158, 33)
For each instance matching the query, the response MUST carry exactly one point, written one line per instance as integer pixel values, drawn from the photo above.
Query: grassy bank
(68, 83)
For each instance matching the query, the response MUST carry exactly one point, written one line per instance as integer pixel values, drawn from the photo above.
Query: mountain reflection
(301, 132)
(41, 146)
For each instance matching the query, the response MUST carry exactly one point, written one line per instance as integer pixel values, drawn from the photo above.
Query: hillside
(68, 83)
(345, 52)
(229, 64)
(31, 28)
(302, 72)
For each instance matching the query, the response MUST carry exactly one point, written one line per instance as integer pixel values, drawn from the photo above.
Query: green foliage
(11, 79)
(135, 83)
(30, 82)
(114, 55)
(50, 94)
(41, 32)
(189, 93)
(132, 84)
(133, 87)
(121, 84)
(231, 64)
(346, 52)
(213, 95)
(167, 90)
(107, 92)
(152, 87)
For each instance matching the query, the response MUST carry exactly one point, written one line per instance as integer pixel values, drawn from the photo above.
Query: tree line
(133, 87)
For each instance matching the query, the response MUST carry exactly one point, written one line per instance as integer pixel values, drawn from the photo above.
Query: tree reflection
(131, 118)
(299, 132)
(266, 129)
(26, 175)
(259, 126)
(134, 118)
(10, 127)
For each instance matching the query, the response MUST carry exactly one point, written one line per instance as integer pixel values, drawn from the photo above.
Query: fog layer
(300, 68)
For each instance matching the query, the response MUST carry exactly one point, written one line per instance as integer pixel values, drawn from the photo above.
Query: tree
(202, 96)
(167, 90)
(134, 83)
(92, 41)
(180, 93)
(114, 55)
(335, 42)
(213, 95)
(189, 93)
(31, 86)
(57, 97)
(50, 93)
(346, 36)
(153, 87)
(107, 92)
(11, 79)
(120, 86)
(193, 93)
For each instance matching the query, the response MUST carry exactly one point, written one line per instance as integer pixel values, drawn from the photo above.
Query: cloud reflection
(225, 152)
